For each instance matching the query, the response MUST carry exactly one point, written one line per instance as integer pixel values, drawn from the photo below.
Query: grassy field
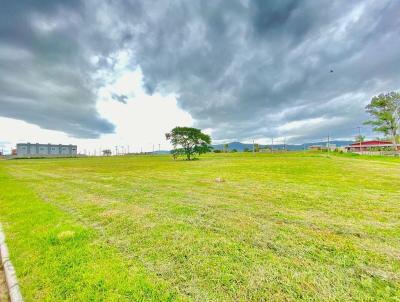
(281, 227)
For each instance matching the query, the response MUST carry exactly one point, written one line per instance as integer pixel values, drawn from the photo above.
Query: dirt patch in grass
(3, 286)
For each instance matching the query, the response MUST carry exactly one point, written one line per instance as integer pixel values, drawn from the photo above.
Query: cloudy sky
(106, 73)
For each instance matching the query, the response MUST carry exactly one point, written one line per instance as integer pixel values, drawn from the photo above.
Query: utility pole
(116, 150)
(253, 148)
(272, 146)
(128, 149)
(284, 144)
(359, 137)
(329, 145)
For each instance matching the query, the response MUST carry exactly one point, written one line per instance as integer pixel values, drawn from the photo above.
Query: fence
(382, 153)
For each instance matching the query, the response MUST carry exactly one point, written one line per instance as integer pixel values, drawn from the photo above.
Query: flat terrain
(281, 227)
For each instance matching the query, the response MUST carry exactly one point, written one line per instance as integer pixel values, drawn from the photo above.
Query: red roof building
(368, 145)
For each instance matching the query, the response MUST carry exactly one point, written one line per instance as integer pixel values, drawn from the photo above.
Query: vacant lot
(280, 227)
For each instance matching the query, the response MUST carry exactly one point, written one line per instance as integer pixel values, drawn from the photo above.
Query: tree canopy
(385, 114)
(188, 142)
(359, 138)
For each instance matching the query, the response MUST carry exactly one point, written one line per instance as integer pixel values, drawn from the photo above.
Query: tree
(385, 112)
(188, 141)
(203, 148)
(106, 152)
(359, 138)
(177, 152)
(226, 148)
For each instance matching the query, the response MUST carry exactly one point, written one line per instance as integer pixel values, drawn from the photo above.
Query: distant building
(370, 145)
(45, 150)
(328, 146)
(315, 147)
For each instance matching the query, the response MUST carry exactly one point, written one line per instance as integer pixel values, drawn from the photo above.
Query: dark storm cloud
(45, 75)
(119, 98)
(263, 68)
(246, 69)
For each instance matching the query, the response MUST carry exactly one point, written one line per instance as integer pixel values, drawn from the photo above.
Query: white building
(29, 149)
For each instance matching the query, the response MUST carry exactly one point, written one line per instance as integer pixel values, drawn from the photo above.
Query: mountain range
(291, 147)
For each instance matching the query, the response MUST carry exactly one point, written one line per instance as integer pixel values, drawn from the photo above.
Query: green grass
(281, 227)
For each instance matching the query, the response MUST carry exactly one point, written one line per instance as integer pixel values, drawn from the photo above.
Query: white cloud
(140, 123)
(295, 125)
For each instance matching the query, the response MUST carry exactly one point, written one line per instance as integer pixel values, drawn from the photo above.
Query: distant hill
(292, 147)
